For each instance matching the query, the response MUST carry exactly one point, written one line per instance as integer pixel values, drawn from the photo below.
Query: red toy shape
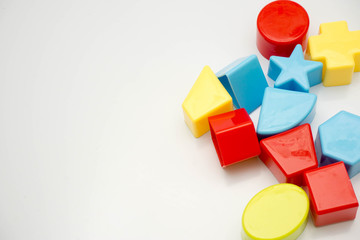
(332, 197)
(281, 25)
(289, 154)
(234, 137)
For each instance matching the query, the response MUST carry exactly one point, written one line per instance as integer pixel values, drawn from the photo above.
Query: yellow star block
(206, 98)
(339, 51)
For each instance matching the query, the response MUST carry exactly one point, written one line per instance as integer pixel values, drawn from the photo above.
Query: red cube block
(234, 137)
(332, 197)
(289, 154)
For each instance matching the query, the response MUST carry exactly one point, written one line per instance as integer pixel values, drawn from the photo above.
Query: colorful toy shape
(281, 25)
(277, 212)
(283, 110)
(339, 51)
(332, 197)
(338, 139)
(206, 98)
(245, 82)
(289, 154)
(234, 137)
(295, 73)
(287, 147)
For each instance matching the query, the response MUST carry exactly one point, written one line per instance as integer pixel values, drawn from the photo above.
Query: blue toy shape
(338, 139)
(245, 82)
(295, 73)
(282, 110)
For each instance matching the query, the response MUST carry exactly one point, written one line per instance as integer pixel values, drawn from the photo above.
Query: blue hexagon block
(338, 139)
(282, 110)
(295, 73)
(245, 82)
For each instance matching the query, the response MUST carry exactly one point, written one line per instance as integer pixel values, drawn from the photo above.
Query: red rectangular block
(234, 137)
(332, 197)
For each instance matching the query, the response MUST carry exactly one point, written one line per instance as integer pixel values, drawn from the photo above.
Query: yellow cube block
(339, 51)
(206, 98)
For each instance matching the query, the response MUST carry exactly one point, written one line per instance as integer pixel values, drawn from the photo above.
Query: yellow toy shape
(206, 98)
(339, 51)
(277, 212)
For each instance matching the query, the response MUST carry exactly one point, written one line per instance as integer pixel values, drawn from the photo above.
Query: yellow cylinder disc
(277, 212)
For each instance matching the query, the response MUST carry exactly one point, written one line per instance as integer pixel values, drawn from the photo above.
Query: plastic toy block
(338, 139)
(277, 212)
(245, 82)
(332, 197)
(295, 73)
(206, 98)
(289, 154)
(281, 25)
(283, 110)
(234, 137)
(339, 51)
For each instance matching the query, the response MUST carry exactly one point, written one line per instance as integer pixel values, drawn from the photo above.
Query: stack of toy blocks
(221, 102)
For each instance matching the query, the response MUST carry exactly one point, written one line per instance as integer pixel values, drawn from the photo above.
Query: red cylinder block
(281, 25)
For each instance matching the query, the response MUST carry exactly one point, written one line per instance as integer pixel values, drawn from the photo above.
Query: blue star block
(295, 73)
(338, 139)
(282, 110)
(245, 82)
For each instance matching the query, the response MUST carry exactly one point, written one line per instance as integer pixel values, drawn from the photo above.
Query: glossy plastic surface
(339, 51)
(206, 98)
(338, 139)
(289, 154)
(245, 82)
(283, 109)
(281, 25)
(234, 137)
(295, 73)
(277, 212)
(332, 196)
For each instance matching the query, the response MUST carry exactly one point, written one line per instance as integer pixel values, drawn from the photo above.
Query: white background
(92, 139)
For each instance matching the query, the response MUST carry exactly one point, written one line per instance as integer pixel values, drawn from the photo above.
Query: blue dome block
(245, 82)
(294, 73)
(338, 139)
(283, 110)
